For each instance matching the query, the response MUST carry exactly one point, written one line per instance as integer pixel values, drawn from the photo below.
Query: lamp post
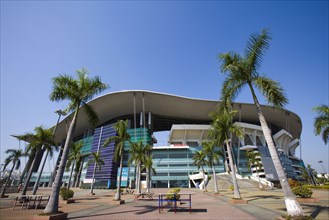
(320, 162)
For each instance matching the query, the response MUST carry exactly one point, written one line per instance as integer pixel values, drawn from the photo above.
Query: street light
(320, 162)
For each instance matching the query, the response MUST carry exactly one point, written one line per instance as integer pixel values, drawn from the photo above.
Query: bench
(26, 200)
(143, 195)
(181, 196)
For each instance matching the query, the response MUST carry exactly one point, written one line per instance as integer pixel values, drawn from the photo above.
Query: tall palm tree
(253, 161)
(98, 162)
(78, 170)
(78, 92)
(73, 158)
(138, 155)
(14, 158)
(49, 146)
(212, 156)
(31, 156)
(200, 160)
(39, 141)
(120, 140)
(243, 71)
(321, 122)
(149, 169)
(224, 128)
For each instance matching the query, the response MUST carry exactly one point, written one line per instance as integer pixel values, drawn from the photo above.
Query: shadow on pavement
(316, 209)
(263, 197)
(188, 210)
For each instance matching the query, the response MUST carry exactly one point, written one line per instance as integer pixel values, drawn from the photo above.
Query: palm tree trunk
(225, 160)
(235, 182)
(27, 166)
(7, 181)
(204, 179)
(54, 173)
(147, 180)
(52, 205)
(69, 183)
(292, 205)
(28, 177)
(215, 178)
(118, 192)
(93, 179)
(36, 185)
(77, 181)
(139, 178)
(259, 183)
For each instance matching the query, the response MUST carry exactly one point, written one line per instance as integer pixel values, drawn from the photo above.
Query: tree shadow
(316, 209)
(263, 197)
(187, 210)
(104, 214)
(87, 198)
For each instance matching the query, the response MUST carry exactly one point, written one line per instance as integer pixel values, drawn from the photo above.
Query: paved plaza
(267, 204)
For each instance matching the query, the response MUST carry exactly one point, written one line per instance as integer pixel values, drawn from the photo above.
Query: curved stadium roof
(169, 109)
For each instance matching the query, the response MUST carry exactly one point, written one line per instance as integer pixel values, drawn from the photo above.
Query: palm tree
(13, 157)
(78, 92)
(120, 139)
(77, 175)
(321, 122)
(223, 129)
(149, 169)
(200, 160)
(212, 156)
(253, 160)
(49, 146)
(39, 141)
(98, 162)
(138, 155)
(73, 159)
(243, 71)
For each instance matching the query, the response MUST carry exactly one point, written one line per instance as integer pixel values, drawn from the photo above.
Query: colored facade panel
(108, 171)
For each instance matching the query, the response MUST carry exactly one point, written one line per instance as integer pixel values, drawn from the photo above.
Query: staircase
(224, 181)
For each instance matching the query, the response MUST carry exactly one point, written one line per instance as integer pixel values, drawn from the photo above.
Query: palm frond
(256, 48)
(272, 90)
(231, 88)
(321, 122)
(91, 114)
(229, 62)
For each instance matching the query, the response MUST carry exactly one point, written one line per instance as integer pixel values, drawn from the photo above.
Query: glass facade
(173, 166)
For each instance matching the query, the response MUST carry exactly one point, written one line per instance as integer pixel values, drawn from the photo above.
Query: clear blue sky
(169, 47)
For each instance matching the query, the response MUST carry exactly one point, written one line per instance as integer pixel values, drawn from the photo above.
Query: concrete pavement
(268, 204)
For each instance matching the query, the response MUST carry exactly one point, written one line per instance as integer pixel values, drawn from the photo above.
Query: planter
(307, 200)
(68, 201)
(217, 194)
(238, 201)
(59, 216)
(118, 202)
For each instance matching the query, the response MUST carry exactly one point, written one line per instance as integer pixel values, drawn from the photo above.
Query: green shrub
(326, 187)
(171, 196)
(66, 193)
(301, 217)
(231, 187)
(302, 191)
